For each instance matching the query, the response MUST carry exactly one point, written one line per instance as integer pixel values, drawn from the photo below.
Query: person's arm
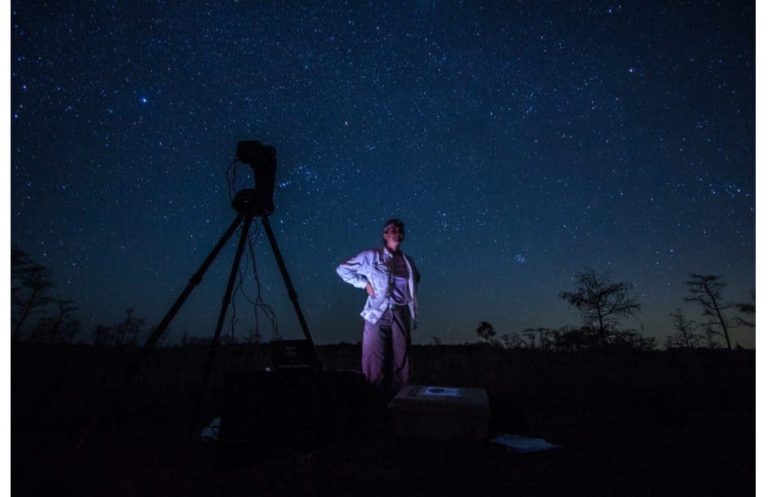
(416, 273)
(350, 270)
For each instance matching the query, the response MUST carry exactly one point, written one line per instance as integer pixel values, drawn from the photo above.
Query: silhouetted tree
(486, 331)
(569, 339)
(710, 335)
(546, 338)
(126, 332)
(748, 310)
(706, 290)
(130, 329)
(602, 303)
(530, 338)
(61, 328)
(512, 341)
(30, 289)
(436, 340)
(685, 336)
(539, 338)
(631, 339)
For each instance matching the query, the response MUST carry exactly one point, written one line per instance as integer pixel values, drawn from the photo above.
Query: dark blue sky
(520, 142)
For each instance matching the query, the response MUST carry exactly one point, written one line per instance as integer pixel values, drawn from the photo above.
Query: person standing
(389, 277)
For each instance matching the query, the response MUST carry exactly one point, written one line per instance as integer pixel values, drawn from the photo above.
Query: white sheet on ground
(523, 445)
(211, 432)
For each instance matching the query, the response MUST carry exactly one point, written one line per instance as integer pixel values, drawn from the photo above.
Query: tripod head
(258, 201)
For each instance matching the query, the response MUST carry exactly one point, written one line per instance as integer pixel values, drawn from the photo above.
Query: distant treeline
(605, 305)
(38, 315)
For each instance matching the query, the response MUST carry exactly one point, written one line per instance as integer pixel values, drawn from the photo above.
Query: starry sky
(519, 141)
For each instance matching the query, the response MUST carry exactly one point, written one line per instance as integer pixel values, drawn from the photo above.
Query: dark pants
(385, 349)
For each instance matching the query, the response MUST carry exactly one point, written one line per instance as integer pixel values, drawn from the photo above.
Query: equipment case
(440, 412)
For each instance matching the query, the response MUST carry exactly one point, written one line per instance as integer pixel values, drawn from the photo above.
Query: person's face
(393, 236)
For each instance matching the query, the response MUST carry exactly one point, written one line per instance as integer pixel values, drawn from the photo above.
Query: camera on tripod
(249, 204)
(258, 201)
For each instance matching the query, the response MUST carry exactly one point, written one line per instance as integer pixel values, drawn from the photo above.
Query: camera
(257, 155)
(263, 161)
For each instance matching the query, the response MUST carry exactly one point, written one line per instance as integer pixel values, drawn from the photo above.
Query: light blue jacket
(373, 266)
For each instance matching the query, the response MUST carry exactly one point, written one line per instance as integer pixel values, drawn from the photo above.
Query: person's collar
(389, 251)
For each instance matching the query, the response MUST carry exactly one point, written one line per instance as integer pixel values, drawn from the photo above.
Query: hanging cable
(231, 176)
(259, 303)
(259, 306)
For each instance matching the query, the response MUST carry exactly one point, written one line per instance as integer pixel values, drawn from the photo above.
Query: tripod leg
(291, 292)
(222, 315)
(133, 367)
(193, 282)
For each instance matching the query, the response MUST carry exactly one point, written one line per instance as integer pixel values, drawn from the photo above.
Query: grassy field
(628, 423)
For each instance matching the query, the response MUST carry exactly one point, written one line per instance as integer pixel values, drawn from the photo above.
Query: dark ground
(629, 423)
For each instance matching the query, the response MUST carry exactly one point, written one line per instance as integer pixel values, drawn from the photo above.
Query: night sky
(520, 142)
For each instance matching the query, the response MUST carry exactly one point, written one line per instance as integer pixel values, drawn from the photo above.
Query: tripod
(249, 204)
